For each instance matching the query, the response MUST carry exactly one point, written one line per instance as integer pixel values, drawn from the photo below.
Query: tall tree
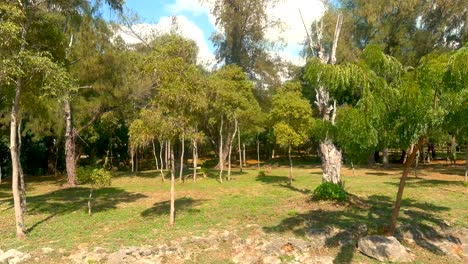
(291, 116)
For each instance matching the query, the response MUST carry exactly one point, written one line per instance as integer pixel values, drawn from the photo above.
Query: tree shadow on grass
(181, 204)
(69, 200)
(413, 182)
(272, 179)
(295, 189)
(375, 212)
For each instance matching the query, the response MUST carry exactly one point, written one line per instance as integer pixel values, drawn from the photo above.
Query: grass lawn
(134, 210)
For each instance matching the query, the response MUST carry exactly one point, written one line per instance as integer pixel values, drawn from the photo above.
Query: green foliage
(291, 115)
(261, 173)
(97, 177)
(329, 191)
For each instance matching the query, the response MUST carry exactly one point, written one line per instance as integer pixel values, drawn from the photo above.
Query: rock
(117, 257)
(271, 260)
(13, 256)
(246, 258)
(299, 244)
(100, 250)
(319, 237)
(77, 257)
(383, 249)
(47, 250)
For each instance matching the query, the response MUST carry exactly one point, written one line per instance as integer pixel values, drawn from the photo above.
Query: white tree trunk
(15, 162)
(386, 161)
(290, 165)
(331, 162)
(181, 171)
(161, 146)
(172, 202)
(21, 173)
(230, 149)
(239, 148)
(243, 155)
(155, 156)
(221, 160)
(195, 158)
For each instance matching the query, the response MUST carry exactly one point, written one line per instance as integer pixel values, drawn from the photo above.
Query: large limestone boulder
(383, 249)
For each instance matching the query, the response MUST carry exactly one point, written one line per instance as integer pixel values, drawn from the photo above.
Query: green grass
(134, 210)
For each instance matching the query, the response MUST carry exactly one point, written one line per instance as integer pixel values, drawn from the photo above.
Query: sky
(196, 22)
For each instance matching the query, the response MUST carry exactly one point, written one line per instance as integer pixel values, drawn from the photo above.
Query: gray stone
(271, 260)
(13, 256)
(383, 249)
(300, 244)
(319, 237)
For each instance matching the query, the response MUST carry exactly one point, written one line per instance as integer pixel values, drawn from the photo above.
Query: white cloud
(292, 30)
(195, 7)
(186, 28)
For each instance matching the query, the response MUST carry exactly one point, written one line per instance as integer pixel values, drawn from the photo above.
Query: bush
(94, 176)
(261, 173)
(329, 191)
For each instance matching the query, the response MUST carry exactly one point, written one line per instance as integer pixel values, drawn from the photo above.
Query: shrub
(261, 173)
(329, 191)
(96, 177)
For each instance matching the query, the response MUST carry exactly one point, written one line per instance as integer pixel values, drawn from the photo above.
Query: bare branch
(339, 22)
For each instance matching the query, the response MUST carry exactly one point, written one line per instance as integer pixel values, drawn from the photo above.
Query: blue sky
(198, 24)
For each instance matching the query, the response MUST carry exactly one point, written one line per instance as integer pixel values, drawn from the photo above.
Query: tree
(437, 79)
(97, 178)
(291, 116)
(231, 99)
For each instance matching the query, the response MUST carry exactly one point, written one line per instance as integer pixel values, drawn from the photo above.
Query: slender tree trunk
(386, 162)
(239, 148)
(258, 153)
(401, 187)
(21, 173)
(15, 161)
(352, 167)
(70, 152)
(90, 202)
(166, 156)
(339, 22)
(466, 163)
(243, 155)
(155, 156)
(290, 165)
(230, 148)
(172, 212)
(416, 161)
(132, 156)
(161, 147)
(136, 160)
(195, 159)
(182, 153)
(221, 160)
(331, 162)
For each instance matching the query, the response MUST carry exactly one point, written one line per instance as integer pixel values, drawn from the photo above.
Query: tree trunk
(195, 159)
(166, 156)
(401, 187)
(21, 173)
(15, 161)
(221, 160)
(172, 202)
(182, 153)
(352, 167)
(331, 162)
(258, 153)
(239, 148)
(290, 165)
(243, 155)
(339, 22)
(386, 162)
(90, 205)
(230, 148)
(132, 157)
(466, 163)
(70, 152)
(161, 146)
(155, 156)
(416, 160)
